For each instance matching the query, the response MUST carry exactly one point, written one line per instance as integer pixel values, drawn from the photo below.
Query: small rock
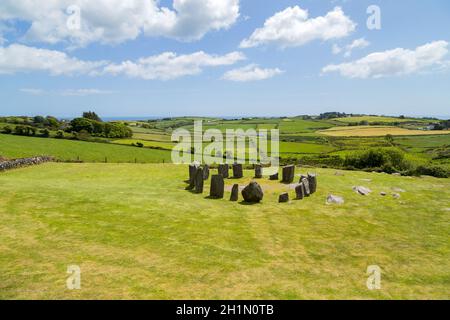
(331, 199)
(274, 177)
(362, 190)
(396, 195)
(383, 193)
(283, 198)
(397, 174)
(398, 190)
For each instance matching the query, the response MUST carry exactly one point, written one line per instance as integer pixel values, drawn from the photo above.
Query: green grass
(137, 234)
(68, 150)
(380, 119)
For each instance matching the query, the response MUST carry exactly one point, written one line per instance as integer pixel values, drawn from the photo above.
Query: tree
(80, 124)
(389, 138)
(92, 116)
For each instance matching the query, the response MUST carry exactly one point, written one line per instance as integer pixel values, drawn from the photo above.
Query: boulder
(223, 170)
(235, 193)
(312, 179)
(217, 187)
(382, 193)
(288, 174)
(331, 199)
(274, 177)
(258, 171)
(238, 172)
(396, 195)
(299, 191)
(253, 193)
(283, 198)
(362, 190)
(198, 180)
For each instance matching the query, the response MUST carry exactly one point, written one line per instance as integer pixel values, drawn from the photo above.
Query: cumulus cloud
(169, 65)
(19, 58)
(115, 21)
(251, 72)
(166, 66)
(395, 62)
(292, 27)
(348, 50)
(67, 92)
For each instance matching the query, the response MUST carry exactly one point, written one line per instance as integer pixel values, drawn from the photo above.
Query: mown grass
(70, 150)
(136, 233)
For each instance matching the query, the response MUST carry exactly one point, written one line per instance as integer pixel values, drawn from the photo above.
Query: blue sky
(194, 60)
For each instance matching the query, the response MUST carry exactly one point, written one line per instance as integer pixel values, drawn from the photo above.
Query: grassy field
(136, 233)
(372, 119)
(374, 131)
(69, 150)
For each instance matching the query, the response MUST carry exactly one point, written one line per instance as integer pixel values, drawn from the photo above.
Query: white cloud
(166, 66)
(292, 27)
(169, 65)
(67, 92)
(395, 62)
(348, 50)
(20, 58)
(115, 21)
(251, 72)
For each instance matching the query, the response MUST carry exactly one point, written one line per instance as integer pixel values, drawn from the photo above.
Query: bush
(434, 171)
(45, 133)
(59, 135)
(389, 160)
(7, 130)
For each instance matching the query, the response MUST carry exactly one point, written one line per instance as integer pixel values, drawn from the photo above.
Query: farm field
(137, 234)
(12, 146)
(371, 119)
(374, 131)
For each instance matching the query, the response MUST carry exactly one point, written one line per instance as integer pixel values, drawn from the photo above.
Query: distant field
(374, 131)
(68, 150)
(377, 119)
(137, 234)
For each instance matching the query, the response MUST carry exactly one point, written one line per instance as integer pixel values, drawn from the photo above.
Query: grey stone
(198, 181)
(217, 187)
(396, 195)
(383, 193)
(223, 170)
(258, 171)
(274, 177)
(206, 172)
(238, 172)
(283, 198)
(19, 163)
(362, 190)
(299, 191)
(192, 173)
(312, 179)
(288, 174)
(235, 193)
(253, 193)
(306, 189)
(331, 199)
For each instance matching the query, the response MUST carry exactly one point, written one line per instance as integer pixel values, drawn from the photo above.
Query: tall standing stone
(238, 172)
(258, 171)
(217, 187)
(192, 173)
(235, 193)
(206, 172)
(306, 189)
(312, 179)
(223, 170)
(299, 191)
(253, 193)
(198, 180)
(288, 174)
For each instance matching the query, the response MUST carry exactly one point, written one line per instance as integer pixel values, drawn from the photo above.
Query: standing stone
(235, 193)
(206, 172)
(274, 177)
(288, 174)
(299, 192)
(312, 179)
(192, 173)
(198, 181)
(224, 170)
(258, 171)
(253, 193)
(238, 173)
(306, 189)
(217, 187)
(283, 198)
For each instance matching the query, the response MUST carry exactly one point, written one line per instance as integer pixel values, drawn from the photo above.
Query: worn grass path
(137, 234)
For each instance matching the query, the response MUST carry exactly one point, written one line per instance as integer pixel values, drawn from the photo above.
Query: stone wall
(19, 163)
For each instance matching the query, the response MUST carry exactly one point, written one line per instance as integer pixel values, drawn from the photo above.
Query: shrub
(7, 130)
(45, 133)
(434, 171)
(389, 160)
(59, 135)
